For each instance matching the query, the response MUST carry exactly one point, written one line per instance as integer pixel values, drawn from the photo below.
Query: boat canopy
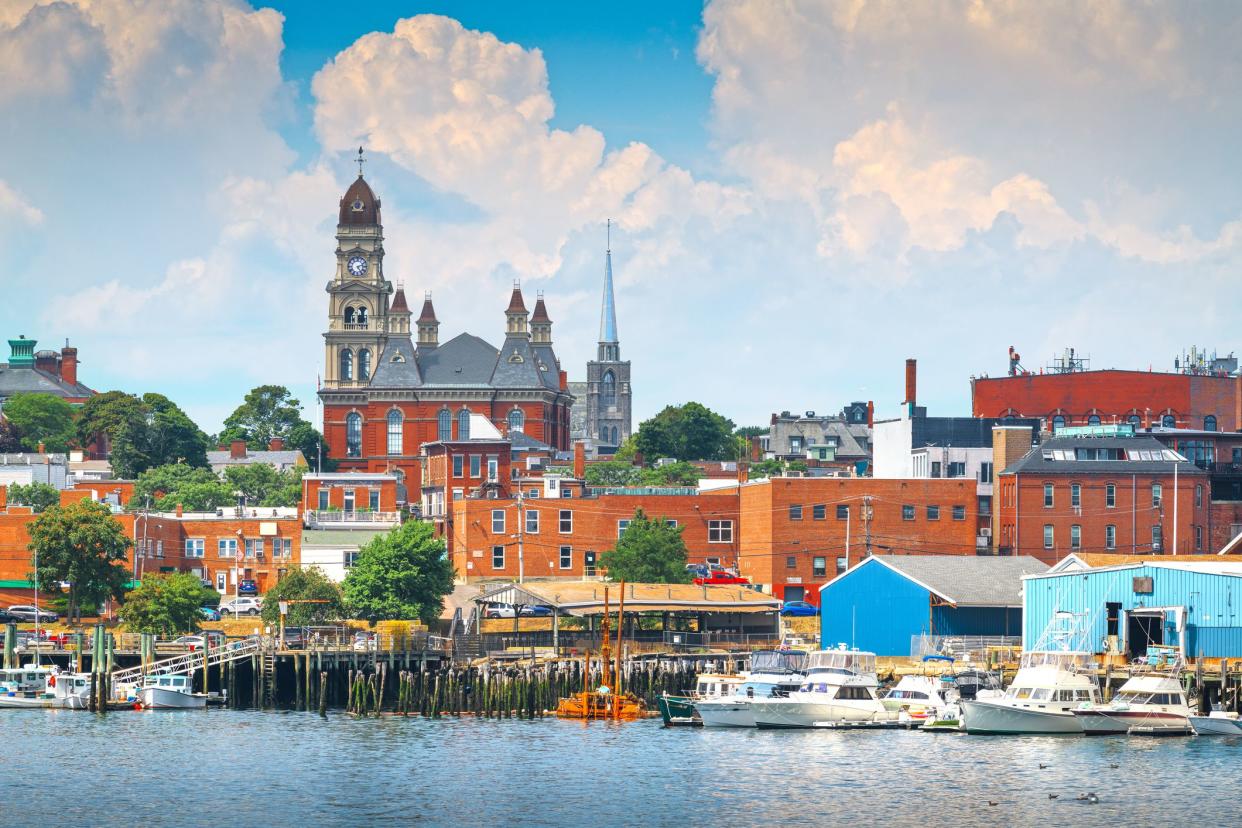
(853, 661)
(778, 661)
(1063, 659)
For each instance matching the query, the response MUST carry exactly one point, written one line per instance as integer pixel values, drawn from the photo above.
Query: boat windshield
(778, 661)
(849, 661)
(1143, 697)
(908, 694)
(1064, 659)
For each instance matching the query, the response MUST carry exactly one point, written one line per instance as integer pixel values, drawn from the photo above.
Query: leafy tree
(747, 432)
(38, 496)
(10, 437)
(306, 438)
(159, 433)
(82, 545)
(612, 473)
(628, 449)
(42, 418)
(688, 432)
(304, 585)
(198, 490)
(766, 468)
(680, 473)
(648, 552)
(402, 574)
(266, 412)
(166, 603)
(107, 414)
(262, 485)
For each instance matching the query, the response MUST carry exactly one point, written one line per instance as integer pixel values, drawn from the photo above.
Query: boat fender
(51, 681)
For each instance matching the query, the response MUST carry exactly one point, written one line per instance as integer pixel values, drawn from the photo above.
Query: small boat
(1216, 723)
(773, 673)
(164, 692)
(919, 698)
(1152, 699)
(1053, 678)
(968, 685)
(679, 710)
(25, 687)
(840, 686)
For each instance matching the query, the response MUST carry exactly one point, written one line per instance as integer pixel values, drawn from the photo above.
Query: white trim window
(567, 557)
(227, 548)
(720, 531)
(194, 547)
(622, 525)
(566, 521)
(498, 557)
(498, 521)
(532, 521)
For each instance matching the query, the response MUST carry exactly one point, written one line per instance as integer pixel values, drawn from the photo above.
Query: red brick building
(1102, 494)
(1209, 402)
(385, 395)
(799, 533)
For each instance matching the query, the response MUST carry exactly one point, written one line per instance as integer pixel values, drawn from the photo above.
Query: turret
(428, 325)
(399, 313)
(516, 314)
(540, 324)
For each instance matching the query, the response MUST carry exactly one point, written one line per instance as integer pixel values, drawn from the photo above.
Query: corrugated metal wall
(977, 621)
(1213, 602)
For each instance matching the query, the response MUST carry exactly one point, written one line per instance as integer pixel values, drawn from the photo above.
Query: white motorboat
(772, 673)
(920, 698)
(165, 692)
(840, 686)
(1216, 723)
(26, 687)
(679, 710)
(1053, 678)
(1152, 698)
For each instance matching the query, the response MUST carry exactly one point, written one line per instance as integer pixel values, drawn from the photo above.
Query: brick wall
(1223, 517)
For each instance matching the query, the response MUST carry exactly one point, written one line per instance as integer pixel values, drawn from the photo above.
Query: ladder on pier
(187, 663)
(269, 678)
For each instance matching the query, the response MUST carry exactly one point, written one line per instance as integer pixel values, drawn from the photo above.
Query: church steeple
(609, 343)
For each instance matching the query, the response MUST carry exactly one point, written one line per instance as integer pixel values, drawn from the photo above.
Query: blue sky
(805, 194)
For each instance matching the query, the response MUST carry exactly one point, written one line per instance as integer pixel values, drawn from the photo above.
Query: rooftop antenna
(361, 161)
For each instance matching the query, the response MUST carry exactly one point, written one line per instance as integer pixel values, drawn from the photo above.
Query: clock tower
(358, 295)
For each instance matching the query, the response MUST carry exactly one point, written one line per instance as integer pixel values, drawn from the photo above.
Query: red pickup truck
(719, 576)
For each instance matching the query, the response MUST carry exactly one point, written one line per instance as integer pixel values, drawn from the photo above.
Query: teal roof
(608, 313)
(340, 537)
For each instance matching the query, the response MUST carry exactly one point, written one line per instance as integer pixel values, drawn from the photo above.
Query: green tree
(680, 473)
(403, 574)
(42, 418)
(38, 496)
(612, 473)
(107, 414)
(159, 434)
(166, 603)
(10, 437)
(198, 490)
(306, 438)
(323, 596)
(688, 432)
(266, 412)
(262, 485)
(628, 449)
(82, 545)
(747, 432)
(648, 552)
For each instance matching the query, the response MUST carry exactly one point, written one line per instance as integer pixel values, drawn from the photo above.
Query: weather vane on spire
(361, 161)
(609, 231)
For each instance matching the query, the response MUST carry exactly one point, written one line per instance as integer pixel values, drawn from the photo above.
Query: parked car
(799, 609)
(7, 618)
(296, 637)
(245, 605)
(29, 612)
(365, 641)
(246, 586)
(720, 576)
(210, 613)
(212, 638)
(499, 611)
(535, 610)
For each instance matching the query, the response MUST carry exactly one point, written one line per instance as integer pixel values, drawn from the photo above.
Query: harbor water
(223, 767)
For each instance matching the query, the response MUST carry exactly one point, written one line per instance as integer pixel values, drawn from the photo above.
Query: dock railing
(978, 649)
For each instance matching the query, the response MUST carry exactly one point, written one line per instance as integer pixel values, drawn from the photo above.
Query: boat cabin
(180, 684)
(845, 662)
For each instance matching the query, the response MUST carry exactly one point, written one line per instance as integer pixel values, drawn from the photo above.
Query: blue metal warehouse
(883, 603)
(1126, 607)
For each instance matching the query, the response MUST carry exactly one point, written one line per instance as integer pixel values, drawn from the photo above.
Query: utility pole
(521, 527)
(1174, 507)
(867, 521)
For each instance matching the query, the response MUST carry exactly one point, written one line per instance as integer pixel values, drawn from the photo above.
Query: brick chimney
(870, 414)
(564, 380)
(579, 461)
(911, 383)
(41, 449)
(276, 444)
(180, 510)
(237, 449)
(69, 365)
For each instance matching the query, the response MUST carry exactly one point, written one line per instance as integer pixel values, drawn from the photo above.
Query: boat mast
(36, 606)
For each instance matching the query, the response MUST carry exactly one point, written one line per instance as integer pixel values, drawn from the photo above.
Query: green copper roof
(22, 355)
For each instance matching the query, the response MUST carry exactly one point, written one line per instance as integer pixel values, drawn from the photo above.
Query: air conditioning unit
(985, 532)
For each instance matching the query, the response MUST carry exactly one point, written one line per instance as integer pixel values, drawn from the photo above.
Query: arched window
(361, 316)
(1094, 419)
(347, 364)
(517, 421)
(353, 434)
(394, 431)
(1134, 420)
(1058, 423)
(1209, 422)
(603, 434)
(349, 315)
(444, 426)
(1168, 421)
(608, 389)
(364, 364)
(463, 424)
(614, 436)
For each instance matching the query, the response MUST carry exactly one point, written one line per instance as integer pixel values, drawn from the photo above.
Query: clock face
(357, 265)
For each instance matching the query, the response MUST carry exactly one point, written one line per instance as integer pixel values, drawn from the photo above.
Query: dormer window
(398, 357)
(515, 357)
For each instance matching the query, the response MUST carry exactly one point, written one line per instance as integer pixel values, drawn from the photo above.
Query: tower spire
(608, 310)
(361, 161)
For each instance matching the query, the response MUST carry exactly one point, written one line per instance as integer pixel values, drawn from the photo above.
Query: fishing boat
(1053, 678)
(840, 686)
(1217, 723)
(679, 710)
(1152, 699)
(773, 673)
(161, 691)
(28, 686)
(607, 701)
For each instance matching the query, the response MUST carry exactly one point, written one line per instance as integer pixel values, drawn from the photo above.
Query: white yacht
(840, 686)
(921, 698)
(1151, 698)
(773, 673)
(165, 692)
(1053, 679)
(28, 686)
(1217, 723)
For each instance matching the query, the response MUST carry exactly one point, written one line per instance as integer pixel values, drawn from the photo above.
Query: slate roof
(23, 380)
(521, 441)
(549, 366)
(286, 457)
(398, 367)
(464, 360)
(965, 580)
(1034, 463)
(516, 366)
